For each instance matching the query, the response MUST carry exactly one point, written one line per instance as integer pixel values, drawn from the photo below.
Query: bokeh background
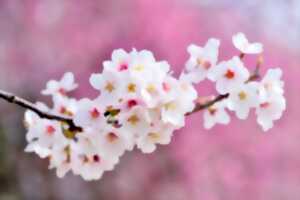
(40, 40)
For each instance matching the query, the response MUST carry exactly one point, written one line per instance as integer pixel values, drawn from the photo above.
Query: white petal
(96, 81)
(255, 48)
(119, 55)
(239, 40)
(67, 79)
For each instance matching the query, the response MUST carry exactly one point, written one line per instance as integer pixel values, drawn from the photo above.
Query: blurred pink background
(40, 40)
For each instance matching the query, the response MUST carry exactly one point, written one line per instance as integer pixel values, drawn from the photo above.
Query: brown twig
(202, 106)
(242, 55)
(11, 98)
(256, 74)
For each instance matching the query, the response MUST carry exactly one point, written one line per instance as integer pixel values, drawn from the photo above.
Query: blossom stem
(256, 74)
(11, 98)
(202, 106)
(242, 55)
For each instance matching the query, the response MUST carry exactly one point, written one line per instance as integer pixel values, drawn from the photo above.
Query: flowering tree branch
(11, 98)
(141, 104)
(202, 106)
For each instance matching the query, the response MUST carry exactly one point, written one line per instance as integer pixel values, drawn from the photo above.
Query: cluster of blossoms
(234, 80)
(141, 104)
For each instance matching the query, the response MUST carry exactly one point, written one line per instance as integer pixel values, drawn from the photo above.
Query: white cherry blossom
(182, 96)
(216, 114)
(145, 68)
(120, 60)
(136, 121)
(60, 159)
(269, 110)
(241, 43)
(229, 74)
(271, 102)
(109, 84)
(45, 132)
(66, 84)
(64, 106)
(89, 114)
(201, 60)
(112, 141)
(243, 98)
(88, 162)
(157, 134)
(272, 82)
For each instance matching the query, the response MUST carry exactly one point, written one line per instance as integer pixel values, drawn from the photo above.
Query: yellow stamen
(133, 120)
(212, 110)
(131, 87)
(154, 136)
(139, 68)
(242, 95)
(151, 88)
(170, 106)
(109, 87)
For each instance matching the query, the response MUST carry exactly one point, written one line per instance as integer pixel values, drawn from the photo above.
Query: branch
(200, 106)
(11, 98)
(256, 74)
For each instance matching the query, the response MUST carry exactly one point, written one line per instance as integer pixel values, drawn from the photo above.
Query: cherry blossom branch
(11, 98)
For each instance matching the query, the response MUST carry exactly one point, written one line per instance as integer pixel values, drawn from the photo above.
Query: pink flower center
(94, 113)
(203, 63)
(206, 64)
(229, 74)
(123, 67)
(62, 91)
(131, 103)
(65, 111)
(166, 87)
(96, 158)
(50, 130)
(264, 105)
(62, 110)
